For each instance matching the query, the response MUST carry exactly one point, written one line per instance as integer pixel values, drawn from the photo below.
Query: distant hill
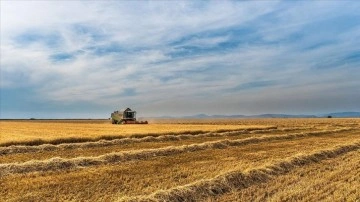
(344, 114)
(334, 115)
(283, 116)
(199, 116)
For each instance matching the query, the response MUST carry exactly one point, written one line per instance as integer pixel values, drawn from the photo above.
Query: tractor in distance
(126, 116)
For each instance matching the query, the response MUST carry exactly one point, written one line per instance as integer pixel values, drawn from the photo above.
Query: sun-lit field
(32, 131)
(181, 160)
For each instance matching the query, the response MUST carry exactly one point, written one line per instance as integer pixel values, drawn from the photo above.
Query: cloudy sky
(84, 59)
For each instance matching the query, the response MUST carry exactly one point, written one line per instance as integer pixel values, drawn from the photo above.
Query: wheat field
(181, 160)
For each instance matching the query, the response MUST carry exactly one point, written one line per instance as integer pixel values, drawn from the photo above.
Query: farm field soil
(97, 150)
(27, 131)
(331, 180)
(297, 158)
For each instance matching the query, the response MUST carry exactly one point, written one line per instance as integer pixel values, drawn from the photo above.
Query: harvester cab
(126, 116)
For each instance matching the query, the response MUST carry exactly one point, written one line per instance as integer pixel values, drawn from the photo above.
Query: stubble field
(181, 160)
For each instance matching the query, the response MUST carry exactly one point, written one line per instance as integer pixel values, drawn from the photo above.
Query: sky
(85, 59)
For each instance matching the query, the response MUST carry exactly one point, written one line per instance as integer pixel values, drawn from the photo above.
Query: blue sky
(85, 59)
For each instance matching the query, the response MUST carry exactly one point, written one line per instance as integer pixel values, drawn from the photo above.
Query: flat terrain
(181, 160)
(53, 131)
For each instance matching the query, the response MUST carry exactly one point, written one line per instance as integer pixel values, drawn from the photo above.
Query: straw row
(55, 164)
(237, 180)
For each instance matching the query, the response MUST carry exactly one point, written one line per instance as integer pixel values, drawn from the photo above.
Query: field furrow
(53, 132)
(140, 177)
(130, 140)
(112, 158)
(12, 154)
(193, 160)
(331, 180)
(239, 179)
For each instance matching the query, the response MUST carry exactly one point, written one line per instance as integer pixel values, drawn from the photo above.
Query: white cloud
(148, 51)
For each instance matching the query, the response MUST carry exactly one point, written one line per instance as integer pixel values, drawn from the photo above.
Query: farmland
(181, 160)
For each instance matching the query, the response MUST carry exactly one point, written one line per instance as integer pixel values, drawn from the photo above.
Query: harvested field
(56, 132)
(334, 179)
(199, 160)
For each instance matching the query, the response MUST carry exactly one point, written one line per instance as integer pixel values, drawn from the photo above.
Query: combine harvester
(126, 116)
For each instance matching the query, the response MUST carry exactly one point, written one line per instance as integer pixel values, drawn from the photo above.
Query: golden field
(27, 131)
(181, 160)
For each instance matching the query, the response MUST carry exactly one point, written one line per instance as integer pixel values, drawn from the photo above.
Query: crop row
(238, 179)
(112, 158)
